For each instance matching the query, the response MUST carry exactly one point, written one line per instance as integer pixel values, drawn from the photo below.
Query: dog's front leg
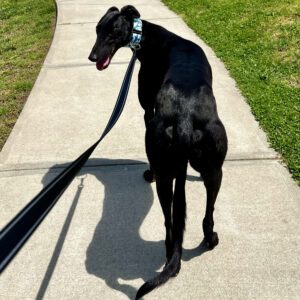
(147, 95)
(149, 175)
(148, 116)
(147, 92)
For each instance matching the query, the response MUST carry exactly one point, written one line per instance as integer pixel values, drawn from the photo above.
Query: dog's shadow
(117, 253)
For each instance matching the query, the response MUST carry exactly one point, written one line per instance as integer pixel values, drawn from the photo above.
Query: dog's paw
(212, 241)
(149, 176)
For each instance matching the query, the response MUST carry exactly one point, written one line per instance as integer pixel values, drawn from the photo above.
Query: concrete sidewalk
(105, 235)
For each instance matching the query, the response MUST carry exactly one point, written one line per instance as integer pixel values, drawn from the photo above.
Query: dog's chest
(149, 84)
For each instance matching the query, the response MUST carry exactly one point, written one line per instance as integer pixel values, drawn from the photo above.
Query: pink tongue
(102, 65)
(105, 64)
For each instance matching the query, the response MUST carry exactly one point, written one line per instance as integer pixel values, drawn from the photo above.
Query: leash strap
(19, 229)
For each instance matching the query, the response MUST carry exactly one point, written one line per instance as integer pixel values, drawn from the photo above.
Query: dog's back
(185, 107)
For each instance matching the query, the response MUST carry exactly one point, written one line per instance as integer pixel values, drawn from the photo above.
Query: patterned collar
(136, 36)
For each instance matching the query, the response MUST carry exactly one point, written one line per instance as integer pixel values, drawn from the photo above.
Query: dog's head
(113, 32)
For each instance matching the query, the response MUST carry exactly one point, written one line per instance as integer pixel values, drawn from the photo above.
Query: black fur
(182, 123)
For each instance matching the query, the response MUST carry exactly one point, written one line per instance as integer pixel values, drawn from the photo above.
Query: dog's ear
(113, 8)
(130, 12)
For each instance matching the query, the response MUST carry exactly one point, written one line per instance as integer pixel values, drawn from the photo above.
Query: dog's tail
(169, 271)
(182, 135)
(179, 209)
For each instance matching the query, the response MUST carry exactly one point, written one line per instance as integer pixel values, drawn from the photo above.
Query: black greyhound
(182, 123)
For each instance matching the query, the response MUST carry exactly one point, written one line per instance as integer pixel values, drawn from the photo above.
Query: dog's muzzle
(93, 57)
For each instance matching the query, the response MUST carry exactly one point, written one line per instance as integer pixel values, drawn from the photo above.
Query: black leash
(19, 229)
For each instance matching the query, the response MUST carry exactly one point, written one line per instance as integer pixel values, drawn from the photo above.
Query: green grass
(26, 29)
(259, 42)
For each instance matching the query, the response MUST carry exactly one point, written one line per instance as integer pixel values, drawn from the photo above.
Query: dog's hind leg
(164, 187)
(212, 182)
(207, 158)
(179, 213)
(175, 235)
